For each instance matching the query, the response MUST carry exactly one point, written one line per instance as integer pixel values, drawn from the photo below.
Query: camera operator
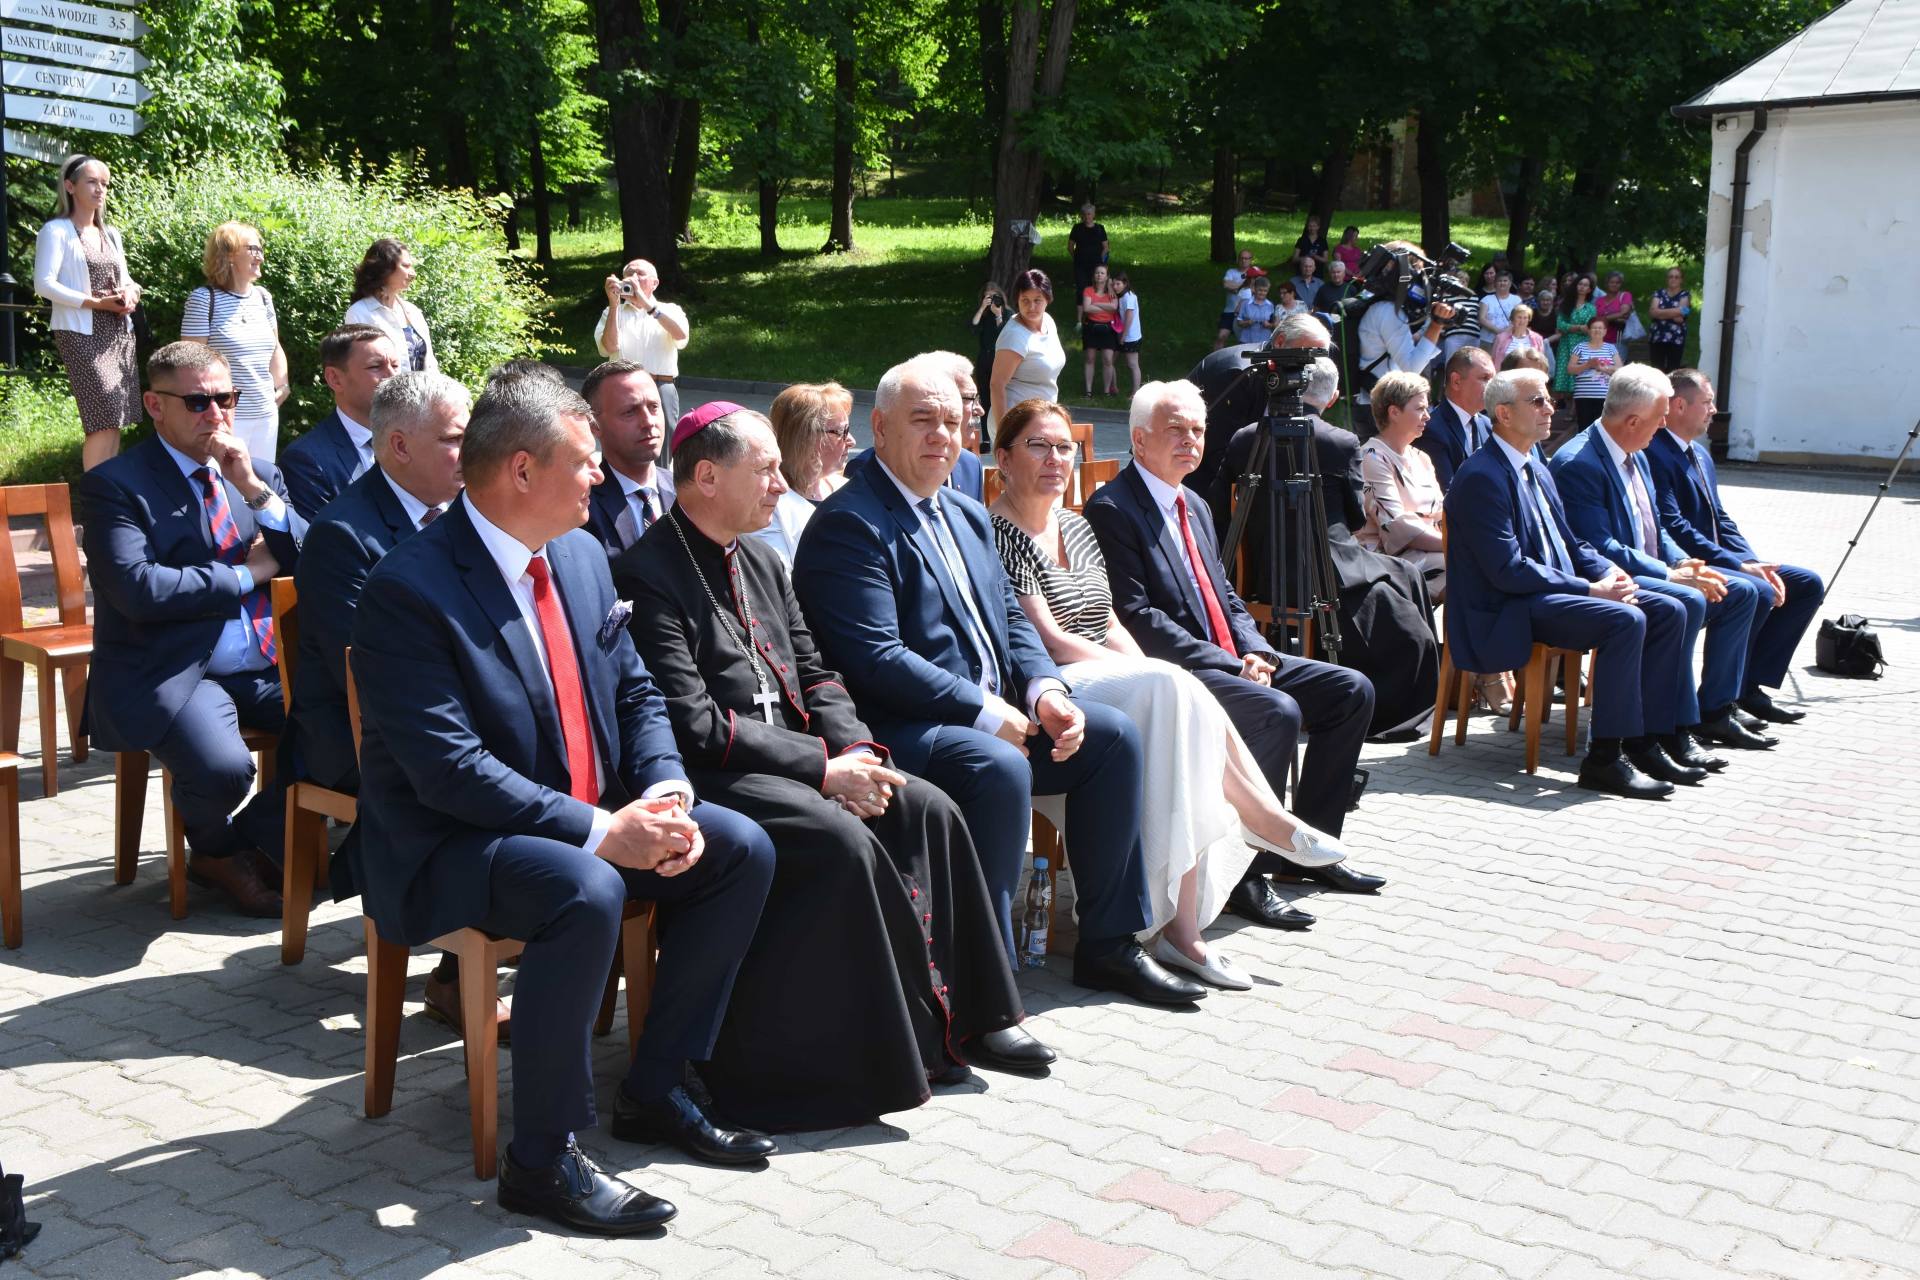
(1234, 398)
(1387, 343)
(637, 326)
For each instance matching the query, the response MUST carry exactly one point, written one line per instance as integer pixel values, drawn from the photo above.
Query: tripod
(1891, 475)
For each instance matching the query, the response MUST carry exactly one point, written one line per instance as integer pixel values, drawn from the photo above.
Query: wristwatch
(259, 503)
(655, 313)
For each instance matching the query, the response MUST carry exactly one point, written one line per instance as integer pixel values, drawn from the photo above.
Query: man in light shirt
(637, 326)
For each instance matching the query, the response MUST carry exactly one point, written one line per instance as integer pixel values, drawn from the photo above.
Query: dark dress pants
(1638, 648)
(1728, 623)
(994, 784)
(1332, 704)
(1777, 629)
(566, 904)
(212, 768)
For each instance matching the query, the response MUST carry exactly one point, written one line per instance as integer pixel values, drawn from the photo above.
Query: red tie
(567, 691)
(1216, 617)
(230, 550)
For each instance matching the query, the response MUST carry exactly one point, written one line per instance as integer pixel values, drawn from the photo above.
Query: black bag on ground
(15, 1231)
(1847, 646)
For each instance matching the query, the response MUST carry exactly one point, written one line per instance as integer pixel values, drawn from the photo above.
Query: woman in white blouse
(811, 422)
(1028, 356)
(382, 276)
(234, 315)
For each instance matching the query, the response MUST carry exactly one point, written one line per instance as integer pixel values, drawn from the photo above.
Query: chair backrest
(55, 503)
(1092, 475)
(286, 634)
(990, 484)
(353, 703)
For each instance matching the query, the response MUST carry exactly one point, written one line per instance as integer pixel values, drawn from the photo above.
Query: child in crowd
(1128, 322)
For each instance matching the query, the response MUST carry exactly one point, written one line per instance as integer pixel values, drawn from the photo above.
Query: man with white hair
(1172, 594)
(1608, 485)
(968, 474)
(907, 598)
(1517, 573)
(1234, 397)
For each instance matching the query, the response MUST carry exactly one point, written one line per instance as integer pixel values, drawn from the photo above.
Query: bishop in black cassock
(877, 963)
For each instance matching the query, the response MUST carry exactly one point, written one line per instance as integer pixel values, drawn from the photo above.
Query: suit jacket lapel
(1171, 552)
(489, 590)
(391, 512)
(343, 446)
(181, 490)
(908, 518)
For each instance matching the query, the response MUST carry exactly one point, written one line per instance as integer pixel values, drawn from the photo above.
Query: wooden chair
(130, 769)
(1534, 700)
(65, 646)
(10, 919)
(480, 954)
(991, 483)
(309, 805)
(1092, 475)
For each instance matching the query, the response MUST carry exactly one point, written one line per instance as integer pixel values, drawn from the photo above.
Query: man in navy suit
(1517, 573)
(1608, 488)
(183, 532)
(1688, 490)
(337, 450)
(519, 776)
(906, 596)
(1459, 424)
(1172, 595)
(968, 474)
(632, 429)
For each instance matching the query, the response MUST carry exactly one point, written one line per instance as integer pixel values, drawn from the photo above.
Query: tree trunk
(1333, 179)
(1589, 201)
(1018, 169)
(575, 195)
(1520, 213)
(992, 16)
(453, 122)
(845, 84)
(641, 126)
(1430, 162)
(542, 209)
(686, 169)
(769, 217)
(1221, 247)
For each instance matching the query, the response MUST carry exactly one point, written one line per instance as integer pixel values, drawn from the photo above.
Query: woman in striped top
(235, 316)
(1594, 363)
(1205, 799)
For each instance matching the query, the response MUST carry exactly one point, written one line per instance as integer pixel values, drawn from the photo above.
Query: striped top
(1592, 385)
(1077, 594)
(243, 328)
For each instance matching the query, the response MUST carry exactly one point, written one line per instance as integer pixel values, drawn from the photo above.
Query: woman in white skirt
(1206, 799)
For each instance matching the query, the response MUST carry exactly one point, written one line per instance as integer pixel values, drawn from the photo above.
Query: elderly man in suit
(969, 473)
(632, 429)
(1608, 488)
(519, 776)
(906, 597)
(1517, 573)
(1687, 488)
(1459, 425)
(183, 533)
(1171, 593)
(337, 450)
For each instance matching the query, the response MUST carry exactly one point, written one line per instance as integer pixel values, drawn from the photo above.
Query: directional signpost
(68, 67)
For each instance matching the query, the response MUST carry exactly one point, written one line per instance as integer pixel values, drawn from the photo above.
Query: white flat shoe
(1217, 971)
(1309, 848)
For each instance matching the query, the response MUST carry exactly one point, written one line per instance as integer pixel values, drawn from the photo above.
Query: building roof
(1863, 51)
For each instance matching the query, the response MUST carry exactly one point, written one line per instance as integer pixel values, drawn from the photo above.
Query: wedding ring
(873, 797)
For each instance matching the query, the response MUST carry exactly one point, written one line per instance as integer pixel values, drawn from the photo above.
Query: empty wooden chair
(309, 805)
(65, 646)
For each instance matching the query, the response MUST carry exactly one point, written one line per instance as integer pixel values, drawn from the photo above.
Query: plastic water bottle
(1034, 921)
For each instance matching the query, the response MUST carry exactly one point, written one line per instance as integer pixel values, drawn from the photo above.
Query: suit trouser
(989, 779)
(212, 769)
(1637, 649)
(566, 904)
(1729, 624)
(1334, 705)
(1777, 629)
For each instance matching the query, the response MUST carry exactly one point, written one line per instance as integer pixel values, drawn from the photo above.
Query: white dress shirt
(1639, 501)
(512, 556)
(1384, 331)
(638, 495)
(645, 341)
(1164, 495)
(410, 504)
(236, 649)
(1543, 509)
(362, 438)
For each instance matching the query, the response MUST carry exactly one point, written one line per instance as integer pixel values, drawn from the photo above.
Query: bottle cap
(1039, 864)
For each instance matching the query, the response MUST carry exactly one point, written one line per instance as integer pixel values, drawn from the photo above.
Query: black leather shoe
(1684, 748)
(952, 1073)
(1746, 719)
(1763, 708)
(1653, 761)
(1342, 878)
(1617, 777)
(678, 1120)
(1008, 1049)
(575, 1193)
(1132, 972)
(1254, 899)
(1728, 732)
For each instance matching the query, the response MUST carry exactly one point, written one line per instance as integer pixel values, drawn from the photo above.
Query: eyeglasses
(1539, 402)
(201, 401)
(838, 433)
(253, 250)
(1041, 450)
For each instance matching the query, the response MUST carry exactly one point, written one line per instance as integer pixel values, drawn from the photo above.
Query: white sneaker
(1217, 971)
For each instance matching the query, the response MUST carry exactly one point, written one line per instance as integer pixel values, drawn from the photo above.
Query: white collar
(362, 437)
(629, 486)
(408, 503)
(1164, 494)
(188, 467)
(913, 499)
(1515, 458)
(1465, 417)
(1613, 446)
(510, 555)
(1686, 446)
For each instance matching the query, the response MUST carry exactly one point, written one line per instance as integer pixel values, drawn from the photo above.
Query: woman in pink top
(1348, 251)
(1520, 334)
(1614, 305)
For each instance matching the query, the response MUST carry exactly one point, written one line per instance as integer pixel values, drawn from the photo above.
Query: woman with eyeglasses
(383, 275)
(80, 266)
(234, 315)
(811, 424)
(1205, 798)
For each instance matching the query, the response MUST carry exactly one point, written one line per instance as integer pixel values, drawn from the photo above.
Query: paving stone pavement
(1576, 1037)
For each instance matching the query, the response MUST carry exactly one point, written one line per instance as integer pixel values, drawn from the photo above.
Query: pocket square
(616, 621)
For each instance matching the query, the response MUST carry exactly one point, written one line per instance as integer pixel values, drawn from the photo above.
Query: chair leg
(386, 988)
(479, 991)
(636, 958)
(13, 681)
(603, 1021)
(176, 849)
(129, 811)
(1442, 699)
(49, 728)
(1574, 661)
(1462, 701)
(1537, 685)
(306, 844)
(74, 679)
(10, 917)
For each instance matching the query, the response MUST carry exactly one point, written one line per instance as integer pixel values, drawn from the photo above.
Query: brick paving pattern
(1576, 1037)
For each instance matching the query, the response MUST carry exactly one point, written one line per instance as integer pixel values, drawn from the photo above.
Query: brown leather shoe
(239, 878)
(443, 1005)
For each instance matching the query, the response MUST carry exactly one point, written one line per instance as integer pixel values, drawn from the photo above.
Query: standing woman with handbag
(235, 316)
(80, 267)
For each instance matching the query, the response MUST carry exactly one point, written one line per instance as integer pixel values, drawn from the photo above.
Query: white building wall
(1826, 354)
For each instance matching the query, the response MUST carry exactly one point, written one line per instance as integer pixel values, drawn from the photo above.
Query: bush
(481, 306)
(40, 442)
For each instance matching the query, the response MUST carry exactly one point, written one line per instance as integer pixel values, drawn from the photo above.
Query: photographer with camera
(1387, 339)
(989, 318)
(637, 326)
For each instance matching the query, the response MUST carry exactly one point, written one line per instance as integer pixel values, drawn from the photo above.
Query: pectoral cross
(767, 700)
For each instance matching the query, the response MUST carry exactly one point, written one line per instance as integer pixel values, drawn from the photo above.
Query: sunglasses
(1539, 401)
(201, 401)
